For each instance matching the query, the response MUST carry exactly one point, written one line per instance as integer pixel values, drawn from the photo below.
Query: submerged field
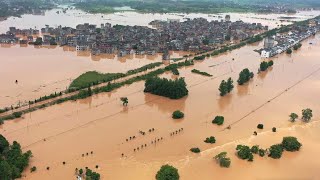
(101, 124)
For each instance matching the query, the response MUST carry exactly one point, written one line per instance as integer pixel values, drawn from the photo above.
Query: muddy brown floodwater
(44, 70)
(101, 124)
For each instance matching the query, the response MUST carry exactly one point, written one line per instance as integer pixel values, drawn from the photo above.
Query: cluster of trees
(218, 120)
(200, 72)
(244, 76)
(226, 87)
(306, 115)
(88, 174)
(173, 89)
(199, 58)
(223, 160)
(11, 116)
(210, 140)
(297, 46)
(275, 151)
(244, 152)
(177, 114)
(43, 98)
(144, 68)
(17, 7)
(265, 65)
(167, 172)
(12, 160)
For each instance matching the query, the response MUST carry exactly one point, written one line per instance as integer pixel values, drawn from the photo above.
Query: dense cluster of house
(191, 35)
(281, 42)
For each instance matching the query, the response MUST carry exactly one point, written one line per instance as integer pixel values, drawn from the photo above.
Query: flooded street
(101, 125)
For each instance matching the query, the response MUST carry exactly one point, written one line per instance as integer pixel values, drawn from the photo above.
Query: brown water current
(74, 17)
(101, 124)
(44, 70)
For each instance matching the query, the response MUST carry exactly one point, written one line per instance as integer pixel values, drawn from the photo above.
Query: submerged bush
(244, 76)
(210, 140)
(260, 126)
(177, 115)
(195, 150)
(218, 120)
(255, 149)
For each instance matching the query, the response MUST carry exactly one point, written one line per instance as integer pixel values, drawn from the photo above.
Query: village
(281, 42)
(193, 35)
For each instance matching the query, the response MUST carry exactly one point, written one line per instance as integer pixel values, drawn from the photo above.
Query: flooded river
(101, 125)
(74, 17)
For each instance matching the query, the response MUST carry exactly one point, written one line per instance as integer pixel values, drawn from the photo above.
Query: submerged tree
(244, 152)
(226, 87)
(293, 117)
(244, 76)
(307, 114)
(210, 140)
(177, 114)
(275, 151)
(195, 150)
(124, 101)
(291, 144)
(223, 88)
(218, 120)
(223, 160)
(167, 172)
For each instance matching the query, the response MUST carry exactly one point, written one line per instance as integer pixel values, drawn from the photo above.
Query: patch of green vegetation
(177, 115)
(195, 150)
(173, 89)
(244, 152)
(200, 72)
(244, 76)
(93, 78)
(218, 120)
(226, 87)
(95, 7)
(167, 172)
(210, 140)
(291, 144)
(260, 126)
(223, 160)
(12, 160)
(265, 65)
(275, 151)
